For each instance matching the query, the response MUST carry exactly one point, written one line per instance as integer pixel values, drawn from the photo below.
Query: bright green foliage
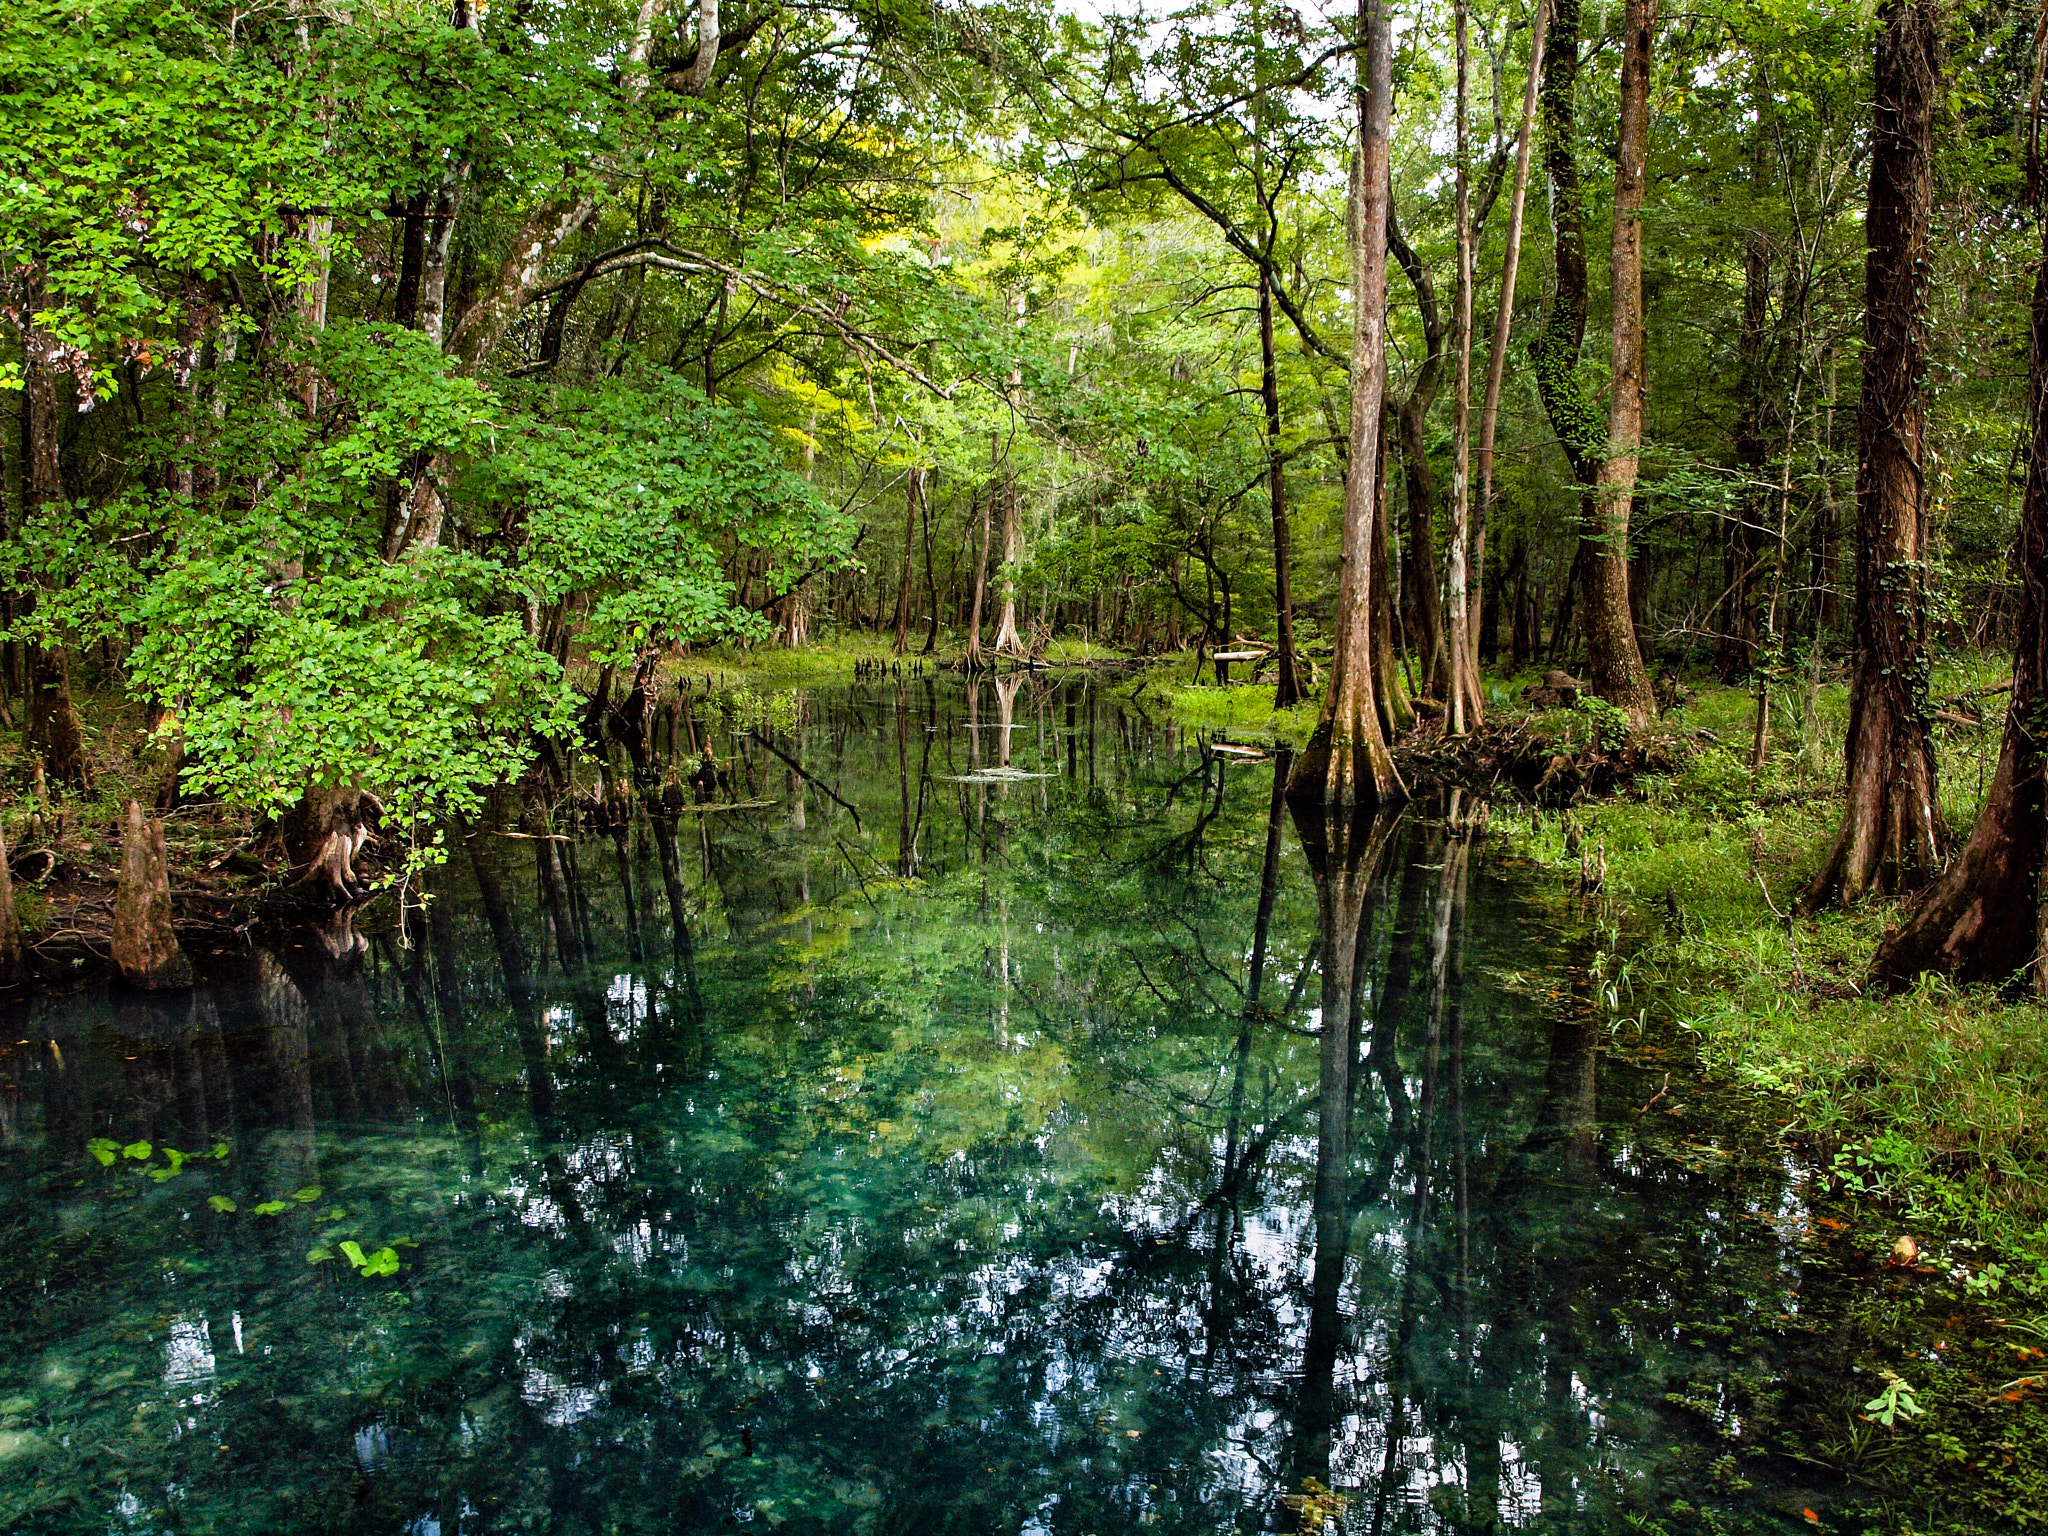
(136, 155)
(632, 491)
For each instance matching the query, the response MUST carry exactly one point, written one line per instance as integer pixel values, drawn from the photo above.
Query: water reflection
(963, 1109)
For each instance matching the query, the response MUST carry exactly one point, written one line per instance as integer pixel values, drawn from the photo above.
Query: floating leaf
(103, 1149)
(220, 1149)
(405, 1242)
(383, 1262)
(139, 1150)
(353, 1252)
(334, 1213)
(307, 1195)
(221, 1203)
(270, 1208)
(319, 1255)
(177, 1158)
(159, 1174)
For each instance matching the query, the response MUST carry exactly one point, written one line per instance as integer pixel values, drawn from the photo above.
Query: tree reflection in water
(1131, 1153)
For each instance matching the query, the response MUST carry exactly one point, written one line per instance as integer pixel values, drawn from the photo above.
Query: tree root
(1544, 770)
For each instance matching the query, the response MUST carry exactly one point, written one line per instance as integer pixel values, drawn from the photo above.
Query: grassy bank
(1935, 1100)
(833, 660)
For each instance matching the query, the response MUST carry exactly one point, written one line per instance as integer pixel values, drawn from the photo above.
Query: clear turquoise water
(1052, 1137)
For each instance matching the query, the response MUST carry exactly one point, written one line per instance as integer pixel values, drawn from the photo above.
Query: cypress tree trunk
(1892, 835)
(1347, 761)
(931, 590)
(13, 961)
(1465, 707)
(1008, 641)
(1985, 917)
(1390, 688)
(145, 946)
(980, 583)
(53, 728)
(913, 497)
(325, 833)
(1555, 351)
(1566, 401)
(1612, 656)
(1287, 687)
(1504, 319)
(1431, 666)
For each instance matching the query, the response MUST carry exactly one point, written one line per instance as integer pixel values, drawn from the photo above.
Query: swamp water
(1007, 1117)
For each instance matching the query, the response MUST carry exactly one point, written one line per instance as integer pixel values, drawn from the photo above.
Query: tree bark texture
(1427, 631)
(1008, 641)
(1555, 351)
(980, 581)
(53, 728)
(1892, 837)
(44, 480)
(1287, 687)
(145, 945)
(1390, 688)
(1614, 662)
(13, 957)
(1465, 707)
(1985, 918)
(913, 505)
(325, 832)
(1504, 317)
(1347, 762)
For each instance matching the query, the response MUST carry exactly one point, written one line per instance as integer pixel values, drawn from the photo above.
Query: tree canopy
(400, 384)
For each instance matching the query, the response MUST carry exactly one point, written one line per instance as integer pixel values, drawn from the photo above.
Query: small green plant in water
(1894, 1402)
(383, 1262)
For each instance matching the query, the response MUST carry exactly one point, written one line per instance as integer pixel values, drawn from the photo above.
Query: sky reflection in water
(928, 1149)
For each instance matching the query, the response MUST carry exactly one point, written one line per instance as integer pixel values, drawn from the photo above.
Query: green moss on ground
(1245, 709)
(1935, 1100)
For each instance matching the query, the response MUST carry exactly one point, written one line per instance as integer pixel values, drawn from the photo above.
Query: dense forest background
(393, 384)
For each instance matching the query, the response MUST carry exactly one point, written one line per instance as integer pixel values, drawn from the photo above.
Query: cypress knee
(145, 946)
